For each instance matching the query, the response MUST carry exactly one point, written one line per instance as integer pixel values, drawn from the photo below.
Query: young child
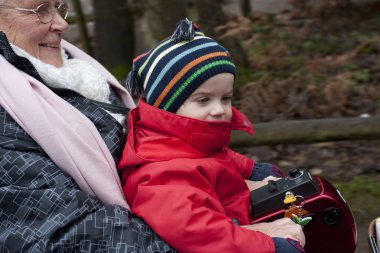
(177, 171)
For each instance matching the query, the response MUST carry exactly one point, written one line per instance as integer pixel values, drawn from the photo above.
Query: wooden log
(309, 131)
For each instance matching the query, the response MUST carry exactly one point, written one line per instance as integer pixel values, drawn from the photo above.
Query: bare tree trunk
(155, 20)
(246, 7)
(113, 33)
(82, 24)
(162, 16)
(310, 131)
(208, 14)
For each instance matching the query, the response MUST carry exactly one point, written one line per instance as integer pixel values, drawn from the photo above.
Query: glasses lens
(45, 12)
(63, 10)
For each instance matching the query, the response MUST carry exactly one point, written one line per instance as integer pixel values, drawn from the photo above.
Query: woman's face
(26, 31)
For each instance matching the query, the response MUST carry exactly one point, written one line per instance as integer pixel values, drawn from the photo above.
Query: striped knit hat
(171, 71)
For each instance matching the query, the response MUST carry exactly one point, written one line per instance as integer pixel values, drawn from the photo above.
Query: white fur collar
(75, 74)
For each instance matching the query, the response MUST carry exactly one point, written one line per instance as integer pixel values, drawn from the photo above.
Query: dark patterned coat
(42, 209)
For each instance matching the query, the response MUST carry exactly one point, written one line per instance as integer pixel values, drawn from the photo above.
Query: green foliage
(262, 28)
(244, 75)
(260, 74)
(359, 186)
(318, 44)
(358, 37)
(318, 79)
(377, 21)
(293, 63)
(362, 193)
(350, 67)
(120, 71)
(368, 50)
(279, 51)
(362, 76)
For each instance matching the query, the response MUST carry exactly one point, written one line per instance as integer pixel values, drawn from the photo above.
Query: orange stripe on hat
(183, 71)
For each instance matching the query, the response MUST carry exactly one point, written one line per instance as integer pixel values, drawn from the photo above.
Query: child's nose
(218, 110)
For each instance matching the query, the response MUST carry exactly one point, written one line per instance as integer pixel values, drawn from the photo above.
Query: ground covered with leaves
(316, 62)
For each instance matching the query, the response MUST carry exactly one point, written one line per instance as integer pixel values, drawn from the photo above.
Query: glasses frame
(35, 11)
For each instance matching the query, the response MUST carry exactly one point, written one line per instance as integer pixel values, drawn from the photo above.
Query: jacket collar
(19, 62)
(205, 136)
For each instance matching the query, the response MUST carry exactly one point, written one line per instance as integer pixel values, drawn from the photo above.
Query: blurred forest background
(313, 62)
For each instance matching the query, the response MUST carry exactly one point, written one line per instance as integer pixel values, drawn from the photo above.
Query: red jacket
(180, 177)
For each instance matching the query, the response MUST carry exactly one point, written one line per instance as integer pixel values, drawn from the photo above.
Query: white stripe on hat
(160, 56)
(158, 47)
(175, 60)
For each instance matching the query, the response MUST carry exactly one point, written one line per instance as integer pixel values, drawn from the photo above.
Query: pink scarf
(67, 136)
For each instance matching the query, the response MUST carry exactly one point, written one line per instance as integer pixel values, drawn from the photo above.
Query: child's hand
(253, 185)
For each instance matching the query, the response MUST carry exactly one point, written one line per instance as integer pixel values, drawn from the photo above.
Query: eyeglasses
(45, 12)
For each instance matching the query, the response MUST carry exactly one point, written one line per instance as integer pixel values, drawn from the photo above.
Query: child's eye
(203, 100)
(227, 98)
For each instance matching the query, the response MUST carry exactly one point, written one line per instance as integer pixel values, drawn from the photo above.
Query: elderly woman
(61, 133)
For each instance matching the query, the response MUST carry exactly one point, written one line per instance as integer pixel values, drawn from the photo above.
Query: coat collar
(19, 62)
(205, 136)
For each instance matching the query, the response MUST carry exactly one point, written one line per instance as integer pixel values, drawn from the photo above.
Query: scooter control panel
(270, 197)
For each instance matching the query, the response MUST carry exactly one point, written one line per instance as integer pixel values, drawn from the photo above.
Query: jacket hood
(152, 131)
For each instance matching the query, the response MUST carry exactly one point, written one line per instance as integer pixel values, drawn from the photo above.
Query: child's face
(211, 101)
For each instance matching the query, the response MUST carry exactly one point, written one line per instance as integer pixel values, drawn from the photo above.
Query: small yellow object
(289, 198)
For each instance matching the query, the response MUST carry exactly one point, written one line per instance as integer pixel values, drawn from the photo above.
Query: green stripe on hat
(194, 76)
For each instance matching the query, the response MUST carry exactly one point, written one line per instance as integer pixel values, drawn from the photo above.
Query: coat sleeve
(182, 208)
(243, 163)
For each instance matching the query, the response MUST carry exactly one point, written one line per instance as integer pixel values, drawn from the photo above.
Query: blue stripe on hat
(159, 57)
(175, 60)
